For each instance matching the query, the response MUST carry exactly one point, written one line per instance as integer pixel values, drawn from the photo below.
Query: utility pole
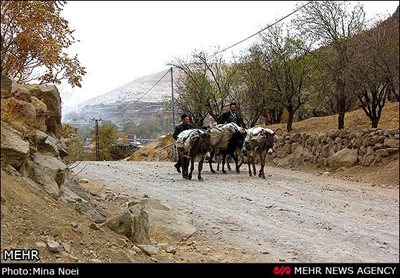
(173, 99)
(173, 111)
(97, 138)
(77, 145)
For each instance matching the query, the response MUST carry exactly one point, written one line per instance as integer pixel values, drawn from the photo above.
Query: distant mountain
(132, 102)
(135, 90)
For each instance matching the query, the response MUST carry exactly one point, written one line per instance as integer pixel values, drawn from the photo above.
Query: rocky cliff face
(31, 145)
(32, 153)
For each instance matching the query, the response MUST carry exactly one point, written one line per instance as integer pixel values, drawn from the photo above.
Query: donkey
(258, 141)
(221, 136)
(236, 142)
(196, 144)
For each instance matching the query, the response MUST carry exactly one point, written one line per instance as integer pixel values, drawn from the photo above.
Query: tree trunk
(375, 122)
(290, 119)
(341, 120)
(342, 111)
(279, 116)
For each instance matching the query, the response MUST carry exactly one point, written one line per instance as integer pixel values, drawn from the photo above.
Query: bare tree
(251, 86)
(221, 77)
(289, 68)
(193, 88)
(375, 68)
(205, 85)
(332, 23)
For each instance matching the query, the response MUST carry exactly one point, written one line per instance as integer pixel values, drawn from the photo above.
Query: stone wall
(338, 148)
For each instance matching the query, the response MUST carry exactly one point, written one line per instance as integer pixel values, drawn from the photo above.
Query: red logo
(283, 270)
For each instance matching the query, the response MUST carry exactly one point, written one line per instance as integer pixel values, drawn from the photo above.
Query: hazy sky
(122, 41)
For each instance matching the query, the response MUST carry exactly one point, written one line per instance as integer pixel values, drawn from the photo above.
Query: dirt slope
(355, 120)
(29, 218)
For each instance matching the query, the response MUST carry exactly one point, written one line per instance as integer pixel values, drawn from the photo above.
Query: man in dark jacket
(178, 129)
(231, 116)
(184, 126)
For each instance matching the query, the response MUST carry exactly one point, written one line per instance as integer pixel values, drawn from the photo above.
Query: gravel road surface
(288, 217)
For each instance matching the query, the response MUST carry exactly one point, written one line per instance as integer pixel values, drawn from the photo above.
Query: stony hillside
(44, 206)
(135, 89)
(129, 102)
(31, 143)
(32, 219)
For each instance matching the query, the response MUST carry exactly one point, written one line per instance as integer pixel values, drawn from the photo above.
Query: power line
(139, 97)
(269, 26)
(229, 47)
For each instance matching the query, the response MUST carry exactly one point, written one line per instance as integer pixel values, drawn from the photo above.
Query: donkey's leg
(200, 167)
(262, 157)
(212, 153)
(248, 162)
(223, 162)
(218, 157)
(253, 159)
(192, 159)
(227, 164)
(184, 167)
(235, 158)
(241, 155)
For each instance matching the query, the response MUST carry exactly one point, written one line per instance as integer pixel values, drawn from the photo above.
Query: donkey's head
(269, 138)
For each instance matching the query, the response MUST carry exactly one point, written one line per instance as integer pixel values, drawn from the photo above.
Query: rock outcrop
(31, 145)
(161, 150)
(14, 149)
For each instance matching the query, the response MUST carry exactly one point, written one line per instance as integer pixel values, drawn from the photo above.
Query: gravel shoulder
(291, 216)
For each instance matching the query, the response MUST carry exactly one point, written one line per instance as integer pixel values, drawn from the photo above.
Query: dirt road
(289, 217)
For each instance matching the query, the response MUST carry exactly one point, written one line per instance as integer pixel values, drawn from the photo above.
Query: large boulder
(19, 114)
(298, 156)
(167, 220)
(54, 146)
(36, 137)
(284, 151)
(343, 158)
(367, 160)
(49, 172)
(155, 151)
(74, 186)
(133, 223)
(41, 113)
(14, 150)
(51, 97)
(18, 91)
(47, 144)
